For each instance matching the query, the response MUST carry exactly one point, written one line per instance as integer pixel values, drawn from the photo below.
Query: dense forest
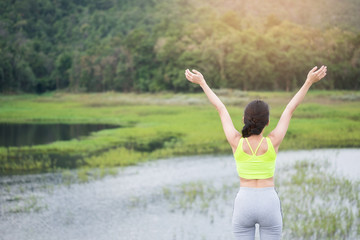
(145, 45)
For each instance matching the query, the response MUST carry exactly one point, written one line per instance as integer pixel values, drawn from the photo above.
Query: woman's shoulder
(270, 139)
(237, 141)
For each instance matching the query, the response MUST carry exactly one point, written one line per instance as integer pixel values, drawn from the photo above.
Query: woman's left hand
(315, 76)
(194, 77)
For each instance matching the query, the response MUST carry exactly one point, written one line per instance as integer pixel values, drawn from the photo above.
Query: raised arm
(232, 135)
(278, 134)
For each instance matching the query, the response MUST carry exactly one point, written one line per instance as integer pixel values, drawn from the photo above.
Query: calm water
(35, 134)
(149, 201)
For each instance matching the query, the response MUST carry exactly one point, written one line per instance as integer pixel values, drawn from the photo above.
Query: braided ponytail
(256, 117)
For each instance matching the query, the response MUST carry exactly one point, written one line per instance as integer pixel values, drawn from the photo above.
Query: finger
(320, 69)
(190, 78)
(313, 70)
(189, 72)
(196, 71)
(318, 72)
(322, 75)
(324, 71)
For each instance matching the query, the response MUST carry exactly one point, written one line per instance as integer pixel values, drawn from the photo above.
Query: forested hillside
(145, 45)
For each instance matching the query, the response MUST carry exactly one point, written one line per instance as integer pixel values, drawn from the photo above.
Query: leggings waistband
(248, 189)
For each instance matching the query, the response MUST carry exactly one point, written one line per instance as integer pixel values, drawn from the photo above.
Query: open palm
(315, 76)
(194, 76)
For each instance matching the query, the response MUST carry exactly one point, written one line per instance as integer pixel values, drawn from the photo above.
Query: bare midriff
(257, 183)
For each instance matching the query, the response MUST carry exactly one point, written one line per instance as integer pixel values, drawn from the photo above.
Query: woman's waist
(257, 183)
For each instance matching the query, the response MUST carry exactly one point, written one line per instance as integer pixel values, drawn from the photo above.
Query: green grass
(164, 125)
(316, 202)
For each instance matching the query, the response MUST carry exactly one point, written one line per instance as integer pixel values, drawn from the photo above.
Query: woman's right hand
(315, 76)
(194, 77)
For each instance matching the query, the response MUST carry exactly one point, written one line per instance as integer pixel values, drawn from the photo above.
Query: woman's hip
(257, 205)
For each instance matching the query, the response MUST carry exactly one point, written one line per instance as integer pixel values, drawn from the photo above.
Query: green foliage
(145, 45)
(163, 125)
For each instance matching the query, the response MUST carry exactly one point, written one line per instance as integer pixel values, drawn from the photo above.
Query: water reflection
(182, 198)
(34, 134)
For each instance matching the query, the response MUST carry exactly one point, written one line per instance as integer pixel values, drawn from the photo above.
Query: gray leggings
(257, 205)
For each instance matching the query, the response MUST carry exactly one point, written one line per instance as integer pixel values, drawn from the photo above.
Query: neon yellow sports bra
(252, 166)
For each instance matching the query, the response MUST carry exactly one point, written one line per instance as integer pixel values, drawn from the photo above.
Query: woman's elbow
(288, 111)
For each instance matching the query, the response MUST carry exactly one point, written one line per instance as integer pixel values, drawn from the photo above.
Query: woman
(257, 201)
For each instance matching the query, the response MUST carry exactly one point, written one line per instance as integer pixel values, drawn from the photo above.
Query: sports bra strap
(254, 153)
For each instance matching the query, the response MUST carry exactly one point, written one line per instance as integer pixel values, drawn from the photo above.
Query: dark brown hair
(256, 116)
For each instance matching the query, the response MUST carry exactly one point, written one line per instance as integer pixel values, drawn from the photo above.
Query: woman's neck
(256, 136)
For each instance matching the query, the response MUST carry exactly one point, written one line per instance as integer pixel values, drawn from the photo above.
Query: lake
(183, 198)
(26, 134)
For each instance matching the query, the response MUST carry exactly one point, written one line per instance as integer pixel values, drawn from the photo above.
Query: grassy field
(163, 125)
